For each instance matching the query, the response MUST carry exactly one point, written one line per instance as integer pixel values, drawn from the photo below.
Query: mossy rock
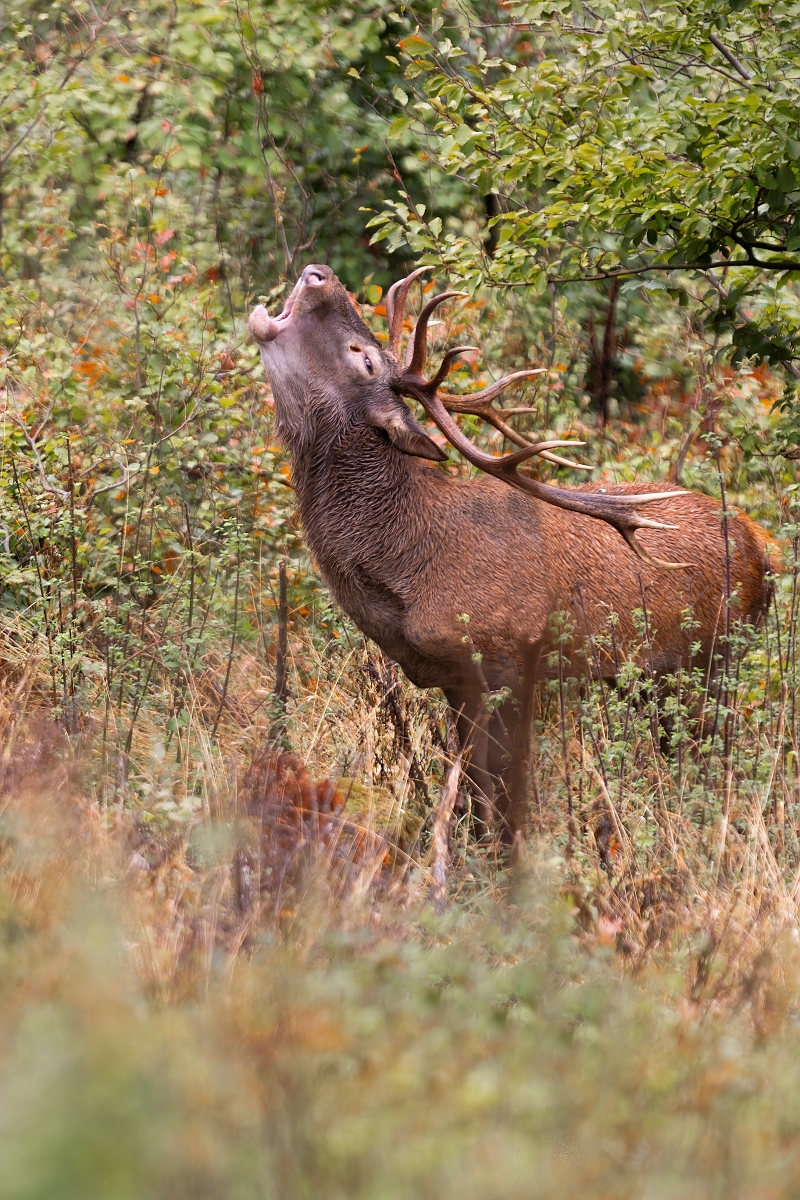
(377, 808)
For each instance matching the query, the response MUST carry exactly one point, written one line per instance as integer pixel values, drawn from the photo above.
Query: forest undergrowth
(264, 993)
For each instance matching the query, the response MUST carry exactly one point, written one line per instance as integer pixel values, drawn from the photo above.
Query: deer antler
(395, 308)
(479, 404)
(618, 511)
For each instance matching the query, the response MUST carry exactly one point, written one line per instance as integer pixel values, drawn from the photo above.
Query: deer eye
(356, 349)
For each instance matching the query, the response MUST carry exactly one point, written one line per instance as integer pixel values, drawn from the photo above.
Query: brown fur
(406, 549)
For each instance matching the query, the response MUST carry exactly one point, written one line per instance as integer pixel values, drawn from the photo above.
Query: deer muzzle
(265, 328)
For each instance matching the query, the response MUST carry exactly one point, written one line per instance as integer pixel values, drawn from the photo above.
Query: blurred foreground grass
(157, 1039)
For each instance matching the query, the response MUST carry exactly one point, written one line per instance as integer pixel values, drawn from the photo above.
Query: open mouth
(282, 317)
(265, 328)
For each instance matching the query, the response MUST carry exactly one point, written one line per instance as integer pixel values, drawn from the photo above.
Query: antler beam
(618, 511)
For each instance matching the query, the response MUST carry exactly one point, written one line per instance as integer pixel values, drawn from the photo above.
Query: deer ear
(404, 430)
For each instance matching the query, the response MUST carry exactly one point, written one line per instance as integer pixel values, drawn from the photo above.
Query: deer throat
(365, 513)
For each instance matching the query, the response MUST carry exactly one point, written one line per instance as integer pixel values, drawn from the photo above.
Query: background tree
(629, 142)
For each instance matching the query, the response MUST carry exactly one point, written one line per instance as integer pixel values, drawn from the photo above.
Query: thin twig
(441, 827)
(731, 57)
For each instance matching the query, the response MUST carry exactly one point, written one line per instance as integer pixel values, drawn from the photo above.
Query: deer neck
(366, 512)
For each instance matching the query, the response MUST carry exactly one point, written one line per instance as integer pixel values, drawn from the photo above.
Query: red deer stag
(407, 550)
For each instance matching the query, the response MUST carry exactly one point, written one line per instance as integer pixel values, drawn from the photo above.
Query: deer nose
(313, 276)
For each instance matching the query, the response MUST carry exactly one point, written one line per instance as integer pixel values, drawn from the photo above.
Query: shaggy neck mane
(362, 502)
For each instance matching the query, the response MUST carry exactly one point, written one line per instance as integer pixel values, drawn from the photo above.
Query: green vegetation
(236, 958)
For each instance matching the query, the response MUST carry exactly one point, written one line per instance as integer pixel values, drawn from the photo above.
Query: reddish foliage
(298, 819)
(280, 792)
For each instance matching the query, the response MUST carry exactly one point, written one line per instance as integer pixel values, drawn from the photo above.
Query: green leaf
(787, 180)
(399, 126)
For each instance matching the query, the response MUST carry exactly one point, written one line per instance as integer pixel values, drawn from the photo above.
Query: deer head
(329, 372)
(326, 368)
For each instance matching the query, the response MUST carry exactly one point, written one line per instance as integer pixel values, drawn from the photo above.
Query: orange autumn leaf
(90, 370)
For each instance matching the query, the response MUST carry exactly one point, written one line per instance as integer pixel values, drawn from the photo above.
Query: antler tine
(565, 462)
(642, 552)
(446, 364)
(619, 511)
(544, 449)
(494, 389)
(395, 308)
(417, 346)
(479, 404)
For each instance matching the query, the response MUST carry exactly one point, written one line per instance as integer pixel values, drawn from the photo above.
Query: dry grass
(170, 1030)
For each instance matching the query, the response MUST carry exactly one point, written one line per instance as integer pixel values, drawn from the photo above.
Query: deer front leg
(502, 764)
(509, 741)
